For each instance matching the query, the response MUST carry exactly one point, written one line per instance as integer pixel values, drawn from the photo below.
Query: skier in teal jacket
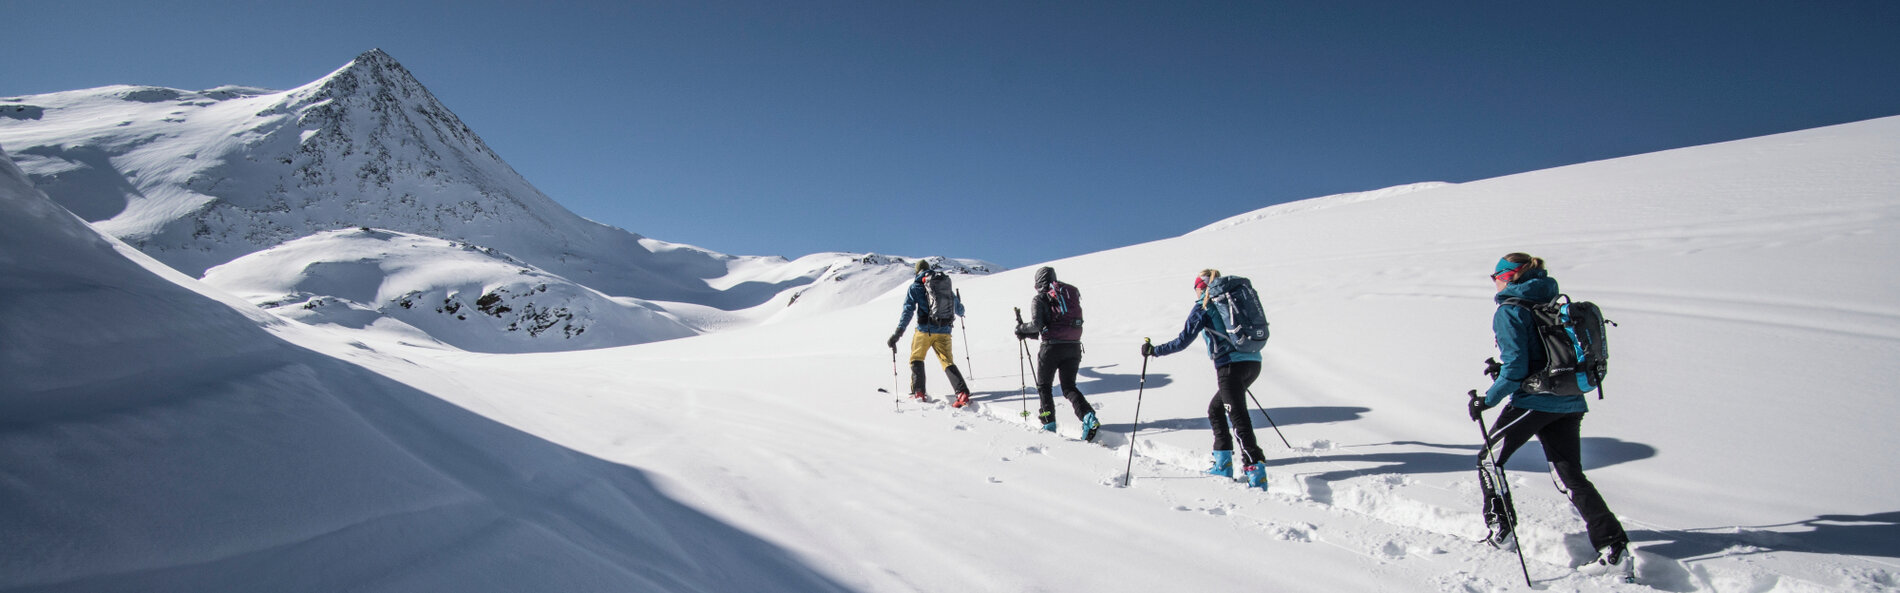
(1556, 420)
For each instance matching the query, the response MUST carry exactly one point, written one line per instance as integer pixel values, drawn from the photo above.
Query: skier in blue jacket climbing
(1235, 371)
(1556, 420)
(933, 333)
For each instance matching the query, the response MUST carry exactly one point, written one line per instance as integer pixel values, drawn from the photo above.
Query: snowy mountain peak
(377, 86)
(199, 179)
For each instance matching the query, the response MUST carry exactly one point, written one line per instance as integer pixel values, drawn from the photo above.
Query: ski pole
(1021, 378)
(895, 398)
(1263, 412)
(1489, 462)
(1128, 472)
(1022, 353)
(969, 366)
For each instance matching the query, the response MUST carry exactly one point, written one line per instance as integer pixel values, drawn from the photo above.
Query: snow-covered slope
(427, 289)
(197, 179)
(1312, 204)
(1743, 440)
(154, 439)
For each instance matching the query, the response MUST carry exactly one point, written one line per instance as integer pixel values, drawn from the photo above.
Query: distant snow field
(291, 404)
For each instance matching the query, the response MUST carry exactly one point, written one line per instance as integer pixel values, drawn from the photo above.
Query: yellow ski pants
(921, 343)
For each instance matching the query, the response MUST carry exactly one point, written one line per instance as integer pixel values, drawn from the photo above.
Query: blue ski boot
(1223, 464)
(1048, 420)
(1089, 426)
(1256, 476)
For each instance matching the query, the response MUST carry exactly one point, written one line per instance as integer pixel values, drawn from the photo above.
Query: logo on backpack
(942, 299)
(1244, 321)
(1065, 313)
(1576, 351)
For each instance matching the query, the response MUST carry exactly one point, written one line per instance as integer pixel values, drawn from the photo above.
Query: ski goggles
(1506, 270)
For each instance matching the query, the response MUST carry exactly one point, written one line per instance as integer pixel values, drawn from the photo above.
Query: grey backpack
(942, 305)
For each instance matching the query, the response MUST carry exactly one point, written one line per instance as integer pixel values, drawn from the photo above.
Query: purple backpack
(1065, 313)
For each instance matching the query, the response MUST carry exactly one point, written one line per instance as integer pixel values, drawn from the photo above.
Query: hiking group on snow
(1549, 355)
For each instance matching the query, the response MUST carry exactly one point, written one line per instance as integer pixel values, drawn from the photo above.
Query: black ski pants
(1230, 402)
(1563, 448)
(1064, 360)
(917, 378)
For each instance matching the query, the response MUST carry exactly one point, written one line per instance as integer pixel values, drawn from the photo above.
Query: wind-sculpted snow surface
(155, 439)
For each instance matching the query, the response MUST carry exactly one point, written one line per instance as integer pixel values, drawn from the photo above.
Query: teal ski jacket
(1521, 352)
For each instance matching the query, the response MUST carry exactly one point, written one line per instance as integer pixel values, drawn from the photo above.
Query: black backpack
(1576, 349)
(941, 305)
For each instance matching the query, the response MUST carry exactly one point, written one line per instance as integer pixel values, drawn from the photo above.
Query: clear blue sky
(1013, 131)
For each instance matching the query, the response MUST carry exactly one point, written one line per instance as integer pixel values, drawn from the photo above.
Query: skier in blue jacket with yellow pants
(931, 334)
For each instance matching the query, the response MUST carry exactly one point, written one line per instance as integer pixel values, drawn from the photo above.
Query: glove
(893, 342)
(1476, 407)
(1147, 349)
(1025, 335)
(1492, 367)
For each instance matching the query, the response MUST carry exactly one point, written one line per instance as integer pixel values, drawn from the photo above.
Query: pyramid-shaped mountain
(197, 179)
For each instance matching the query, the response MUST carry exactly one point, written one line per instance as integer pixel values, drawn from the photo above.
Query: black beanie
(1044, 277)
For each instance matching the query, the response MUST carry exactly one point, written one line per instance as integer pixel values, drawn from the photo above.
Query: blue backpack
(1243, 321)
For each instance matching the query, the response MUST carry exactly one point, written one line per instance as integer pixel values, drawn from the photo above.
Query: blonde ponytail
(1210, 274)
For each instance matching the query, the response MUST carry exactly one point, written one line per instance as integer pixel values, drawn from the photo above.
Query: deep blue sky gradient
(1018, 132)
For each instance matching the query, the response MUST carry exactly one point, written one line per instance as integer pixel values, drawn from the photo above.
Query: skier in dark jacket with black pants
(1555, 420)
(1056, 320)
(1235, 371)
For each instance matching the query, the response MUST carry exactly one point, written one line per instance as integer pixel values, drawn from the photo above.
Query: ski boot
(1089, 426)
(963, 399)
(1223, 464)
(1256, 476)
(1502, 537)
(1615, 561)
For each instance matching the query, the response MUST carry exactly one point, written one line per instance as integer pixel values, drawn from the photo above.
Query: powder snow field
(152, 437)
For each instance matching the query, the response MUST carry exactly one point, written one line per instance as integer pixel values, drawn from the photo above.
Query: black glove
(1476, 407)
(1147, 349)
(894, 337)
(1492, 368)
(1025, 335)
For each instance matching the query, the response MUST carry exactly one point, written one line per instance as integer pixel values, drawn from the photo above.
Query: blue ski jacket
(918, 298)
(1203, 321)
(1520, 350)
